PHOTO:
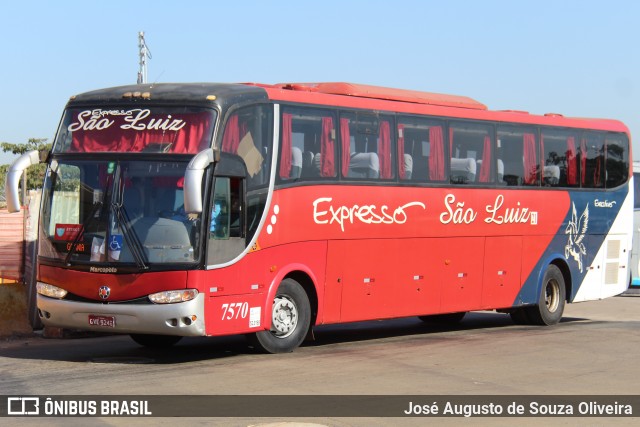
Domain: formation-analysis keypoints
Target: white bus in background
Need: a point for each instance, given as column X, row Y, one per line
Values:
column 635, row 253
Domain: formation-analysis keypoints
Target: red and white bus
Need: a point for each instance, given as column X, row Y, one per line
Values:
column 178, row 210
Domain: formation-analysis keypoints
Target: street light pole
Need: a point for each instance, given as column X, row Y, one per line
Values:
column 144, row 53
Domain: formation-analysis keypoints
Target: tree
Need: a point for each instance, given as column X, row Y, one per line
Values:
column 35, row 174
column 32, row 144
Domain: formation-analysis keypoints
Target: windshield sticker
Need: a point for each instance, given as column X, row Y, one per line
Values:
column 67, row 232
column 115, row 246
column 97, row 249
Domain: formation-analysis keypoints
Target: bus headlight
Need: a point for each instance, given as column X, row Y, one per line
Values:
column 50, row 290
column 170, row 297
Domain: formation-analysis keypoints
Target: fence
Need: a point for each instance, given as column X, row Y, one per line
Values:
column 18, row 245
column 11, row 246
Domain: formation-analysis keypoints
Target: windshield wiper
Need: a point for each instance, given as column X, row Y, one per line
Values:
column 130, row 236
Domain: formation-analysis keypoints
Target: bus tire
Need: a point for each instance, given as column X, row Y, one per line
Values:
column 290, row 320
column 445, row 319
column 551, row 300
column 155, row 341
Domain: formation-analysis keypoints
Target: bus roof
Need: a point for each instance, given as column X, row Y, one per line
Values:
column 170, row 92
column 389, row 94
column 340, row 94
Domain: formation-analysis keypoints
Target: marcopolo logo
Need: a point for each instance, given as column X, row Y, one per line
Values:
column 104, row 292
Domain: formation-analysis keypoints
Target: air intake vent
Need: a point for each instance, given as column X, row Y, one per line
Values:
column 612, row 262
column 613, row 249
column 611, row 271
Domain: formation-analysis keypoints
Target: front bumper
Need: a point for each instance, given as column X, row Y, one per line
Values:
column 161, row 319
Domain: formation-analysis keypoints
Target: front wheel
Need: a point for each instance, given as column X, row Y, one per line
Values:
column 290, row 320
column 551, row 300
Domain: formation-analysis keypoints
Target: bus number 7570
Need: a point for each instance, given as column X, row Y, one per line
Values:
column 235, row 310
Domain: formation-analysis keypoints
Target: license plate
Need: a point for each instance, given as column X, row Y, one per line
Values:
column 106, row 321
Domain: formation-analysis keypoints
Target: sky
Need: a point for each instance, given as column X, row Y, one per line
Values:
column 578, row 58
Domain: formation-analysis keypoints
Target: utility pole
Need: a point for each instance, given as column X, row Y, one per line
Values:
column 144, row 54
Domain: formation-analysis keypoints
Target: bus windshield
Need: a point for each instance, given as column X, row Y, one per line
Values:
column 122, row 212
column 179, row 130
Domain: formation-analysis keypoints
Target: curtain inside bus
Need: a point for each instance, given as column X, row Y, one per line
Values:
column 530, row 159
column 231, row 138
column 384, row 150
column 285, row 160
column 583, row 160
column 485, row 168
column 345, row 135
column 401, row 164
column 327, row 149
column 436, row 153
column 572, row 166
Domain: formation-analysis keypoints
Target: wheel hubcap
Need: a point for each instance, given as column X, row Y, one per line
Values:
column 552, row 295
column 285, row 317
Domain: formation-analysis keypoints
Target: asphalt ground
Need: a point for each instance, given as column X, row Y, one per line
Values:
column 594, row 351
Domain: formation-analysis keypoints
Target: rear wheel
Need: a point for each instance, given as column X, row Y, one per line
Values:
column 449, row 318
column 290, row 320
column 155, row 341
column 551, row 300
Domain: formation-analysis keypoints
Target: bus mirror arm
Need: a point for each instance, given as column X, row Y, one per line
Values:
column 193, row 179
column 44, row 155
column 13, row 178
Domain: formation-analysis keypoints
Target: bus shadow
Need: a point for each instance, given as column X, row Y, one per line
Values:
column 116, row 349
column 381, row 329
column 121, row 349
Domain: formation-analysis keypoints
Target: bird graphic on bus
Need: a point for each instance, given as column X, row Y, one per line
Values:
column 577, row 231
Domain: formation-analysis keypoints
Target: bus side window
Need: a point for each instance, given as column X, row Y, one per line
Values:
column 517, row 154
column 559, row 158
column 421, row 156
column 368, row 146
column 226, row 218
column 472, row 158
column 247, row 134
column 592, row 168
column 617, row 160
column 226, row 227
column 219, row 227
column 307, row 145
